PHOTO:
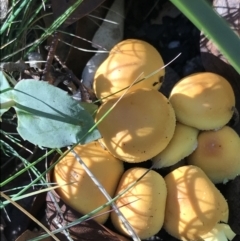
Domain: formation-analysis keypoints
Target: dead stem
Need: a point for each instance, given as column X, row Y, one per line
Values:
column 51, row 52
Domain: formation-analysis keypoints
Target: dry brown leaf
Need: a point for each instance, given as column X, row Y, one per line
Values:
column 86, row 231
column 60, row 6
column 168, row 10
column 84, row 27
column 30, row 234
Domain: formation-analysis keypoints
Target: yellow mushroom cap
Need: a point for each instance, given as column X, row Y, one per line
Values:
column 81, row 193
column 218, row 154
column 143, row 205
column 194, row 205
column 203, row 100
column 183, row 143
column 127, row 61
column 139, row 126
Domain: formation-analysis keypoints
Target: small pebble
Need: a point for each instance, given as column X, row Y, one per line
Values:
column 173, row 44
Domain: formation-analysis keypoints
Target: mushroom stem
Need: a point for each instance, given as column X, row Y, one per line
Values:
column 221, row 232
column 235, row 116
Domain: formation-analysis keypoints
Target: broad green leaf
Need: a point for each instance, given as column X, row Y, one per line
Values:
column 90, row 107
column 49, row 117
column 5, row 96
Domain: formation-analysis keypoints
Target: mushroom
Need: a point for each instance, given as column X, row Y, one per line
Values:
column 221, row 232
column 139, row 127
column 183, row 143
column 128, row 61
column 194, row 205
column 217, row 154
column 144, row 204
column 81, row 193
column 204, row 100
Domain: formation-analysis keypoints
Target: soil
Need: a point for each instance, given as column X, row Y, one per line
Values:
column 171, row 34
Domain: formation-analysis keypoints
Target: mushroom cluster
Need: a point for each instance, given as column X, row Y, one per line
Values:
column 203, row 104
column 141, row 124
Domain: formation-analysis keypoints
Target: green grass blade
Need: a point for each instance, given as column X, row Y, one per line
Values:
column 213, row 26
column 92, row 213
column 27, row 167
column 13, row 16
column 56, row 24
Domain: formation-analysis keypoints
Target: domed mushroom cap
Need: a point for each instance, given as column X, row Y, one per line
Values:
column 128, row 61
column 218, row 154
column 139, row 127
column 203, row 100
column 144, row 204
column 183, row 143
column 81, row 193
column 194, row 205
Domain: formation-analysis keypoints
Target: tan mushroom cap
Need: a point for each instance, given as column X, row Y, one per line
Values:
column 139, row 127
column 218, row 154
column 144, row 204
column 194, row 205
column 203, row 100
column 81, row 193
column 183, row 143
column 129, row 60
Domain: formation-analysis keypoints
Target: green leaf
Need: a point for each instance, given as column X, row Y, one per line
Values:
column 48, row 116
column 205, row 18
column 5, row 96
column 90, row 107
